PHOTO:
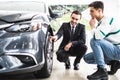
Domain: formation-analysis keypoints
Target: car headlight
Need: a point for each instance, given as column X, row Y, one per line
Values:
column 35, row 26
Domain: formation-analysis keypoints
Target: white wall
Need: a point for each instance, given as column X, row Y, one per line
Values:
column 112, row 8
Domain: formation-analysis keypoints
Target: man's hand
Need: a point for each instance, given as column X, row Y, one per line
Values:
column 53, row 38
column 68, row 46
column 92, row 23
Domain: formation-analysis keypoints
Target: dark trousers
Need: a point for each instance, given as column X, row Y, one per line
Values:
column 75, row 51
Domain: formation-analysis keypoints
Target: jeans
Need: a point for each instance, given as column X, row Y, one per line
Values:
column 103, row 52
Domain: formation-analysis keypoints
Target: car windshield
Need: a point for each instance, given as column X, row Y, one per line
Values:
column 35, row 6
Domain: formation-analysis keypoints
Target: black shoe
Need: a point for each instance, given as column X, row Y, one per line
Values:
column 67, row 64
column 115, row 65
column 100, row 74
column 76, row 66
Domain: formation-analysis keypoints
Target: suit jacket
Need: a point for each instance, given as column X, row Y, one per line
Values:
column 79, row 37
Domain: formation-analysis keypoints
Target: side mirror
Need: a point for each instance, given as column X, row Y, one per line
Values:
column 55, row 14
column 58, row 14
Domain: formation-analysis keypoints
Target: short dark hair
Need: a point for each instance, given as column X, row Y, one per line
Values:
column 77, row 12
column 97, row 4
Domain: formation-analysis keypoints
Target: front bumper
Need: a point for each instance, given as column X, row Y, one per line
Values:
column 21, row 69
column 18, row 64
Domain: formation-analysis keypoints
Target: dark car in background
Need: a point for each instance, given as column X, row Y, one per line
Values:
column 24, row 38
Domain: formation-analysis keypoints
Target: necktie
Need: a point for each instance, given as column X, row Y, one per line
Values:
column 72, row 33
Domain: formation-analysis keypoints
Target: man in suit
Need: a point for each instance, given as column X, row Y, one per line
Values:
column 73, row 43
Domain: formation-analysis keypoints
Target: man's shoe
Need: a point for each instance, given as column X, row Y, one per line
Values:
column 76, row 66
column 100, row 74
column 115, row 65
column 67, row 64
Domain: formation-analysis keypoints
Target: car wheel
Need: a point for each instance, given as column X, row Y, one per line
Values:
column 48, row 52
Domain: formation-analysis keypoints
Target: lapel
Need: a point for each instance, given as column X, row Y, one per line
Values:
column 69, row 28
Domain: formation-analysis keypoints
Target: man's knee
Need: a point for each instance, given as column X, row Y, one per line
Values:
column 89, row 58
column 61, row 56
column 82, row 47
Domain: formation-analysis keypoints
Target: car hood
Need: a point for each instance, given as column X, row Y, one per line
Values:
column 16, row 17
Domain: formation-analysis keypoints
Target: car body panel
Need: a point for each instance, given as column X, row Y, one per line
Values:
column 23, row 36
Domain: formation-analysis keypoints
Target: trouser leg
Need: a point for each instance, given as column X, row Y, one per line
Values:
column 104, row 51
column 80, row 52
column 62, row 55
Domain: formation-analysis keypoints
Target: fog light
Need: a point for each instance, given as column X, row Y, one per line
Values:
column 27, row 60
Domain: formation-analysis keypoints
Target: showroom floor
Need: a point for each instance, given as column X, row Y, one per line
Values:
column 59, row 72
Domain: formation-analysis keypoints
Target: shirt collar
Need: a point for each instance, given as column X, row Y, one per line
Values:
column 72, row 25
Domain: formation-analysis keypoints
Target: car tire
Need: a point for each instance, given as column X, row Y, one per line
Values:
column 48, row 55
